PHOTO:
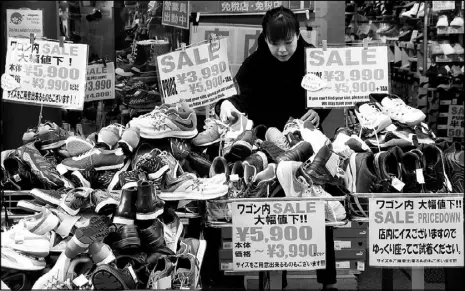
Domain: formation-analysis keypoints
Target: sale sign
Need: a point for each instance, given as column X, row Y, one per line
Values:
column 100, row 82
column 345, row 76
column 197, row 75
column 416, row 232
column 455, row 125
column 48, row 74
column 279, row 235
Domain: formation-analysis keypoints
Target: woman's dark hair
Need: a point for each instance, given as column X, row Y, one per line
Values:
column 280, row 23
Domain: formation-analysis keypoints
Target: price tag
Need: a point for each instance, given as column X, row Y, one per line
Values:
column 397, row 184
column 343, row 265
column 17, row 178
column 47, row 74
column 290, row 239
column 234, row 177
column 348, row 75
column 199, row 75
column 80, row 281
column 227, row 245
column 360, row 266
column 100, row 82
column 420, row 177
column 226, row 266
column 414, row 35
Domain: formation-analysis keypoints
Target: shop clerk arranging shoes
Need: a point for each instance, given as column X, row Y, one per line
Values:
column 270, row 92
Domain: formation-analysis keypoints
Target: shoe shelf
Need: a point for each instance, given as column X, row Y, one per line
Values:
column 449, row 59
column 450, row 30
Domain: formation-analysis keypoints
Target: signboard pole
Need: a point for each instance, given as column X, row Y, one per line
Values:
column 40, row 114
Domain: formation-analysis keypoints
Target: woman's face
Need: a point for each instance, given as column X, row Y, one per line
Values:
column 283, row 49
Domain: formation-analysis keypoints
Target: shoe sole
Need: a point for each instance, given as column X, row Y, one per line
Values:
column 122, row 220
column 29, row 206
column 148, row 216
column 131, row 242
column 207, row 143
column 175, row 134
column 97, row 230
column 105, row 279
column 76, row 146
column 103, row 168
column 106, row 207
column 54, row 145
column 175, row 196
column 114, row 181
column 36, row 193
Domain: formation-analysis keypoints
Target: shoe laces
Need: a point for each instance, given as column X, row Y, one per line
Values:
column 197, row 184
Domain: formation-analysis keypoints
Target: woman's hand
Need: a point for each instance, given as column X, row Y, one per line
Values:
column 312, row 116
column 226, row 110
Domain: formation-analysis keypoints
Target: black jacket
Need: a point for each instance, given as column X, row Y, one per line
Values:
column 270, row 90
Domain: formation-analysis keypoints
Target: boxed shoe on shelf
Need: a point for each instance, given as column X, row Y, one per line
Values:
column 350, row 242
column 350, row 232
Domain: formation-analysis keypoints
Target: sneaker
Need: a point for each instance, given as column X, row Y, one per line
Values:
column 271, row 151
column 160, row 276
column 457, row 22
column 95, row 231
column 172, row 229
column 18, row 173
column 14, row 260
column 52, row 197
column 371, row 117
column 436, row 179
column 144, row 99
column 110, row 277
column 30, row 135
column 76, row 199
column 103, row 179
column 396, row 109
column 455, row 167
column 300, row 152
column 21, row 239
column 196, row 247
column 334, row 210
column 237, row 184
column 187, row 187
column 97, row 159
column 199, row 164
column 129, row 139
column 442, row 21
column 175, row 169
column 412, row 173
column 186, row 274
column 111, row 134
column 129, row 179
column 78, row 179
column 393, row 32
column 448, row 49
column 39, row 166
column 458, row 49
column 237, row 126
column 152, row 237
column 288, row 178
column 146, row 206
column 77, row 146
column 388, row 169
column 53, row 138
column 180, row 149
column 56, row 277
column 264, row 184
column 254, row 164
column 147, row 159
column 175, row 122
column 324, row 169
column 103, row 202
column 126, row 211
column 214, row 128
column 241, row 147
column 125, row 237
column 219, row 166
column 275, row 136
column 30, row 205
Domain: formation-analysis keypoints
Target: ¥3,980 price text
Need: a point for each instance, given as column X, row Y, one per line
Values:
column 276, row 233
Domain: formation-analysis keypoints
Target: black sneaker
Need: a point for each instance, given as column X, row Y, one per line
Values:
column 411, row 171
column 109, row 277
column 180, row 149
column 435, row 172
column 147, row 159
column 144, row 99
column 152, row 237
column 96, row 230
column 259, row 133
column 101, row 179
column 254, row 164
column 103, row 202
column 19, row 174
column 96, row 15
column 241, row 147
column 455, row 166
column 271, row 150
column 388, row 169
column 300, row 152
column 75, row 200
column 324, row 169
column 129, row 179
column 199, row 164
column 124, row 237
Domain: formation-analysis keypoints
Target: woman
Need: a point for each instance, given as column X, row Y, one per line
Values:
column 270, row 92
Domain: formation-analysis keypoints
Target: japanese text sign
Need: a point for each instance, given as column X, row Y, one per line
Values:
column 455, row 126
column 443, row 5
column 281, row 235
column 416, row 232
column 345, row 76
column 198, row 75
column 176, row 13
column 250, row 6
column 100, row 82
column 22, row 22
column 47, row 74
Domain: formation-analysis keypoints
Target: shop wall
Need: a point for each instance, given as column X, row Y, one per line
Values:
column 16, row 118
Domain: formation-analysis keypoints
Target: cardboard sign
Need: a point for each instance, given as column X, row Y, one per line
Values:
column 48, row 74
column 100, row 82
column 198, row 75
column 455, row 125
column 176, row 14
column 350, row 74
column 22, row 22
column 278, row 235
column 416, row 232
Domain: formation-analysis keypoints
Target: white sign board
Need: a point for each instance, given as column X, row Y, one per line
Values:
column 21, row 22
column 198, row 75
column 47, row 74
column 100, row 82
column 455, row 125
column 280, row 235
column 443, row 5
column 416, row 232
column 346, row 76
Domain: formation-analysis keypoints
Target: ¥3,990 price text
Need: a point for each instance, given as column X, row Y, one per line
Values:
column 211, row 77
column 276, row 233
column 293, row 250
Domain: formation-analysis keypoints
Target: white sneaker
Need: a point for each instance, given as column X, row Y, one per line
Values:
column 421, row 10
column 19, row 238
column 286, row 173
column 447, row 49
column 55, row 278
column 396, row 109
column 371, row 116
column 4, row 286
column 313, row 136
column 12, row 259
column 457, row 22
column 334, row 210
column 442, row 21
column 413, row 11
column 458, row 49
column 42, row 222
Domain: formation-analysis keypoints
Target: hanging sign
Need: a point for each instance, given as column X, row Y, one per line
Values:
column 416, row 232
column 199, row 75
column 455, row 125
column 176, row 13
column 279, row 235
column 344, row 76
column 443, row 5
column 47, row 74
column 21, row 22
column 100, row 82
